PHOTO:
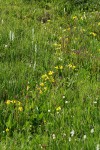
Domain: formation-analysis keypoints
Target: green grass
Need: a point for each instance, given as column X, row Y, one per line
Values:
column 49, row 75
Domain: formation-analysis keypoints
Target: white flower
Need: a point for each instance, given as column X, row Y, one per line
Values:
column 66, row 102
column 63, row 96
column 53, row 136
column 6, row 46
column 64, row 10
column 72, row 133
column 49, row 110
column 60, row 59
column 98, row 147
column 84, row 137
column 92, row 130
column 69, row 139
column 95, row 102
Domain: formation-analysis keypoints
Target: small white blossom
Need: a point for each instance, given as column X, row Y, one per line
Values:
column 69, row 139
column 60, row 59
column 98, row 147
column 53, row 136
column 64, row 10
column 6, row 46
column 63, row 96
column 84, row 137
column 95, row 102
column 49, row 110
column 72, row 133
column 66, row 102
column 92, row 130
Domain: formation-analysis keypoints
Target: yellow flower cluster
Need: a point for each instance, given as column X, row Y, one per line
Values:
column 92, row 33
column 42, row 88
column 16, row 102
column 13, row 102
column 58, row 108
column 20, row 108
column 50, row 73
column 57, row 46
column 74, row 17
column 46, row 77
column 59, row 67
column 42, row 84
column 71, row 66
column 7, row 129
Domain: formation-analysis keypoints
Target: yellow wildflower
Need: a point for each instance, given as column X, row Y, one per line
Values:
column 52, row 80
column 70, row 65
column 73, row 67
column 50, row 72
column 55, row 44
column 58, row 108
column 98, row 23
column 92, row 33
column 7, row 130
column 20, row 108
column 42, row 84
column 48, row 20
column 56, row 67
column 13, row 101
column 64, row 30
column 19, row 103
column 45, row 76
column 74, row 17
column 60, row 67
column 8, row 102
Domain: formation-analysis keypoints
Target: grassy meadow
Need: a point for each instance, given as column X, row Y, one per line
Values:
column 49, row 75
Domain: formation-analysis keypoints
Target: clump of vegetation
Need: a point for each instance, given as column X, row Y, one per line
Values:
column 49, row 74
